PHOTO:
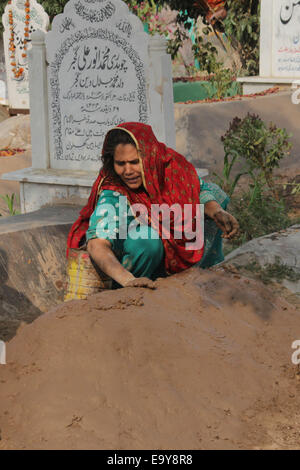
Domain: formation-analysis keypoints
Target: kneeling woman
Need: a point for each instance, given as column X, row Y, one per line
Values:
column 137, row 169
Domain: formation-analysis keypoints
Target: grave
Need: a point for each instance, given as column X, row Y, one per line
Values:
column 20, row 19
column 95, row 69
column 279, row 62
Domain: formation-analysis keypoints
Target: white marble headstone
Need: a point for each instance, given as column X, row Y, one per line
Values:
column 3, row 86
column 286, row 38
column 280, row 39
column 18, row 88
column 97, row 78
column 2, row 91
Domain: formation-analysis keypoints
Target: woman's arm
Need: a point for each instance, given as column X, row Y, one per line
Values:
column 100, row 251
column 215, row 202
column 100, row 242
column 225, row 221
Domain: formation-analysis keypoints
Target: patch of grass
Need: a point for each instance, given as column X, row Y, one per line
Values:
column 10, row 201
column 273, row 271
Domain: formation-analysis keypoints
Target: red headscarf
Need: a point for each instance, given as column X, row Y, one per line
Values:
column 215, row 4
column 168, row 179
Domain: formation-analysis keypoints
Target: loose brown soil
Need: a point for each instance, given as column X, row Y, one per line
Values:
column 202, row 362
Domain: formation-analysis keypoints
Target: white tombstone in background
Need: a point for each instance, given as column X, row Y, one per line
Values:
column 103, row 69
column 279, row 62
column 18, row 87
column 3, row 87
column 3, row 95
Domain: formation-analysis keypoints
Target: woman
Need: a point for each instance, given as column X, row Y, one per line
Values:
column 137, row 169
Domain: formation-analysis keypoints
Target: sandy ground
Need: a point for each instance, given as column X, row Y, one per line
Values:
column 202, row 362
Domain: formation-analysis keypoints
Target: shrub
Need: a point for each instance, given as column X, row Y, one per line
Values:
column 259, row 148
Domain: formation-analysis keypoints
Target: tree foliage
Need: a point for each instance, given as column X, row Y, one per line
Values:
column 241, row 25
column 53, row 7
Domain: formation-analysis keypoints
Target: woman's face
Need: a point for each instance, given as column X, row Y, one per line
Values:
column 127, row 165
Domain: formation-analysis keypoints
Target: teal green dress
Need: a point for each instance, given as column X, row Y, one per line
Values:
column 139, row 248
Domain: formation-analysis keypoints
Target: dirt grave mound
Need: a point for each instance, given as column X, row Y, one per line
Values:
column 202, row 362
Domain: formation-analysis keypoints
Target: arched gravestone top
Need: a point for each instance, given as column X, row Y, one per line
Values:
column 97, row 78
column 18, row 88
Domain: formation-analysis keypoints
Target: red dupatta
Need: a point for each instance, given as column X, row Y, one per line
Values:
column 168, row 178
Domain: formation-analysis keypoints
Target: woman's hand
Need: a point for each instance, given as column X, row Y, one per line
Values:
column 141, row 282
column 100, row 251
column 102, row 254
column 227, row 223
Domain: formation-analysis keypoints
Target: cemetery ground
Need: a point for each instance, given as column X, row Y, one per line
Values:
column 202, row 362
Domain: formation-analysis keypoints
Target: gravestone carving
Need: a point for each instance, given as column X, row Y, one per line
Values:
column 97, row 79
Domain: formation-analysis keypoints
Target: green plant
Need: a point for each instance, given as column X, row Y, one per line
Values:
column 147, row 11
column 258, row 147
column 220, row 83
column 242, row 27
column 10, row 201
column 53, row 7
column 206, row 53
column 177, row 41
column 228, row 182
